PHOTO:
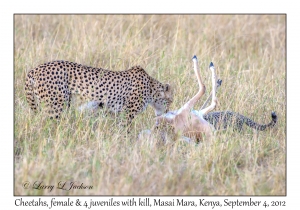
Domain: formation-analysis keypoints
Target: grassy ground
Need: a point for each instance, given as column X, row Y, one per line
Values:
column 249, row 54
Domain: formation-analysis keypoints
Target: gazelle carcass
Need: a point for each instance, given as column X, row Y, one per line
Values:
column 187, row 122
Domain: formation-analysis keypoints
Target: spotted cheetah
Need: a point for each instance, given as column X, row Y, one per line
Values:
column 224, row 119
column 129, row 91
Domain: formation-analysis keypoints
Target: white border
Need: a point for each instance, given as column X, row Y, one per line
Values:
column 213, row 6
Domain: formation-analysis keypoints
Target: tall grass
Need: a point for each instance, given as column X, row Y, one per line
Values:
column 249, row 54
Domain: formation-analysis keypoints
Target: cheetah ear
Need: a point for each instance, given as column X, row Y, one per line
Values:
column 167, row 87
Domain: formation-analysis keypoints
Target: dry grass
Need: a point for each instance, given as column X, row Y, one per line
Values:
column 249, row 54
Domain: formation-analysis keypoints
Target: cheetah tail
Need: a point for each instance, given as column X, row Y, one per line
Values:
column 29, row 91
column 259, row 127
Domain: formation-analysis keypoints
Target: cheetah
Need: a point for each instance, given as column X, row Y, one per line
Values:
column 129, row 91
column 224, row 119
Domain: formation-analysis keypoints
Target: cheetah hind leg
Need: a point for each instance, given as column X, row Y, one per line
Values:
column 55, row 110
column 56, row 107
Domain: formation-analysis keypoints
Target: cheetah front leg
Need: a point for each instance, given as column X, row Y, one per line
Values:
column 132, row 107
column 124, row 120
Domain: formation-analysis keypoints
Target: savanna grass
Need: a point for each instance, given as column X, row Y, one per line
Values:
column 249, row 54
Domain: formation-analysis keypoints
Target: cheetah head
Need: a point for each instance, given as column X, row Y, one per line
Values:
column 162, row 99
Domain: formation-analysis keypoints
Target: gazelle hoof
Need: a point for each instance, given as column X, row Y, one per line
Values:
column 219, row 82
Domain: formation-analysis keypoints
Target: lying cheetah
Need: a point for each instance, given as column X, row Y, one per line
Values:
column 129, row 91
column 224, row 119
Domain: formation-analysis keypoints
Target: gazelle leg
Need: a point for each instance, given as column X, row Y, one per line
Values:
column 219, row 82
column 214, row 98
column 190, row 104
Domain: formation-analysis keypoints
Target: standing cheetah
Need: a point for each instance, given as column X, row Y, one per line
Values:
column 129, row 91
